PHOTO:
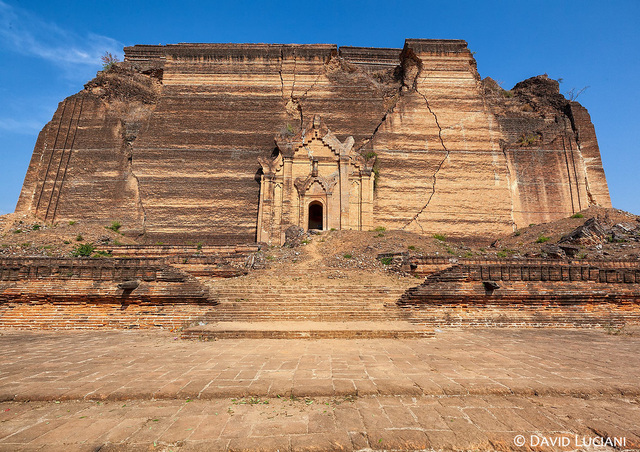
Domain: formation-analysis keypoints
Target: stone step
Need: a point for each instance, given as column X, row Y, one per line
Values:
column 255, row 301
column 250, row 291
column 307, row 330
column 267, row 314
column 257, row 297
column 297, row 302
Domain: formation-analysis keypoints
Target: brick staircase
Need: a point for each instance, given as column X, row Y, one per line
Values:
column 302, row 307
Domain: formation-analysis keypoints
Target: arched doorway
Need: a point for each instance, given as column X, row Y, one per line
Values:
column 315, row 215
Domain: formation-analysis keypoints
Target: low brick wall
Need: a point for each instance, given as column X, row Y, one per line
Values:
column 88, row 293
column 534, row 294
column 427, row 265
column 178, row 250
column 223, row 261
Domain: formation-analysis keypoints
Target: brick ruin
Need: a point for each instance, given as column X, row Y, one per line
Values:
column 175, row 291
column 232, row 145
column 177, row 143
column 528, row 294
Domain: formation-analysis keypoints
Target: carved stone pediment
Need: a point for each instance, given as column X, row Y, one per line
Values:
column 327, row 183
column 289, row 145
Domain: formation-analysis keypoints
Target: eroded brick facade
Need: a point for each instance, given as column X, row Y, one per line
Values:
column 168, row 143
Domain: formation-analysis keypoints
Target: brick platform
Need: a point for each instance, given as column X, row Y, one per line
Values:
column 462, row 390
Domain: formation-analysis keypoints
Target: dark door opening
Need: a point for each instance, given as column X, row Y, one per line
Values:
column 315, row 215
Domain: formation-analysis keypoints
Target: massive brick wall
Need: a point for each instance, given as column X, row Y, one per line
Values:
column 168, row 143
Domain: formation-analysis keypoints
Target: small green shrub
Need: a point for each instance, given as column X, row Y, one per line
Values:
column 517, row 233
column 17, row 231
column 199, row 246
column 347, row 256
column 411, row 247
column 66, row 242
column 380, row 235
column 577, row 215
column 72, row 222
column 79, row 238
column 305, row 242
column 441, row 237
column 542, row 239
column 380, row 229
column 332, row 229
column 581, row 255
column 528, row 139
column 505, row 252
column 36, row 227
column 115, row 226
column 102, row 254
column 108, row 60
column 269, row 257
column 84, row 250
column 290, row 129
column 386, row 260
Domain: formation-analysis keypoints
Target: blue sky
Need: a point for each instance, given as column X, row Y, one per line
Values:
column 49, row 49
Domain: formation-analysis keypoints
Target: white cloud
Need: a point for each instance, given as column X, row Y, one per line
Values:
column 21, row 126
column 26, row 33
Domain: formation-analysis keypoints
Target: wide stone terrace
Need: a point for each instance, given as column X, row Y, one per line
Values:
column 463, row 389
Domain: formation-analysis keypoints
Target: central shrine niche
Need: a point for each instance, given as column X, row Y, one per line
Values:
column 314, row 182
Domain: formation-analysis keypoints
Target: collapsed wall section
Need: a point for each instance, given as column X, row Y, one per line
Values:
column 548, row 152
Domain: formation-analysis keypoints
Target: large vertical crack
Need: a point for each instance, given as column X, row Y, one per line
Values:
column 291, row 104
column 295, row 65
column 139, row 199
column 510, row 178
column 579, row 149
column 303, row 97
column 313, row 85
column 438, row 168
column 280, row 73
column 375, row 131
column 130, row 133
column 382, row 121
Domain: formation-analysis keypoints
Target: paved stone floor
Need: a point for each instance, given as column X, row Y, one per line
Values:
column 462, row 390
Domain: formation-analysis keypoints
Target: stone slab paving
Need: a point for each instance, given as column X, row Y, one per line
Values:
column 462, row 390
